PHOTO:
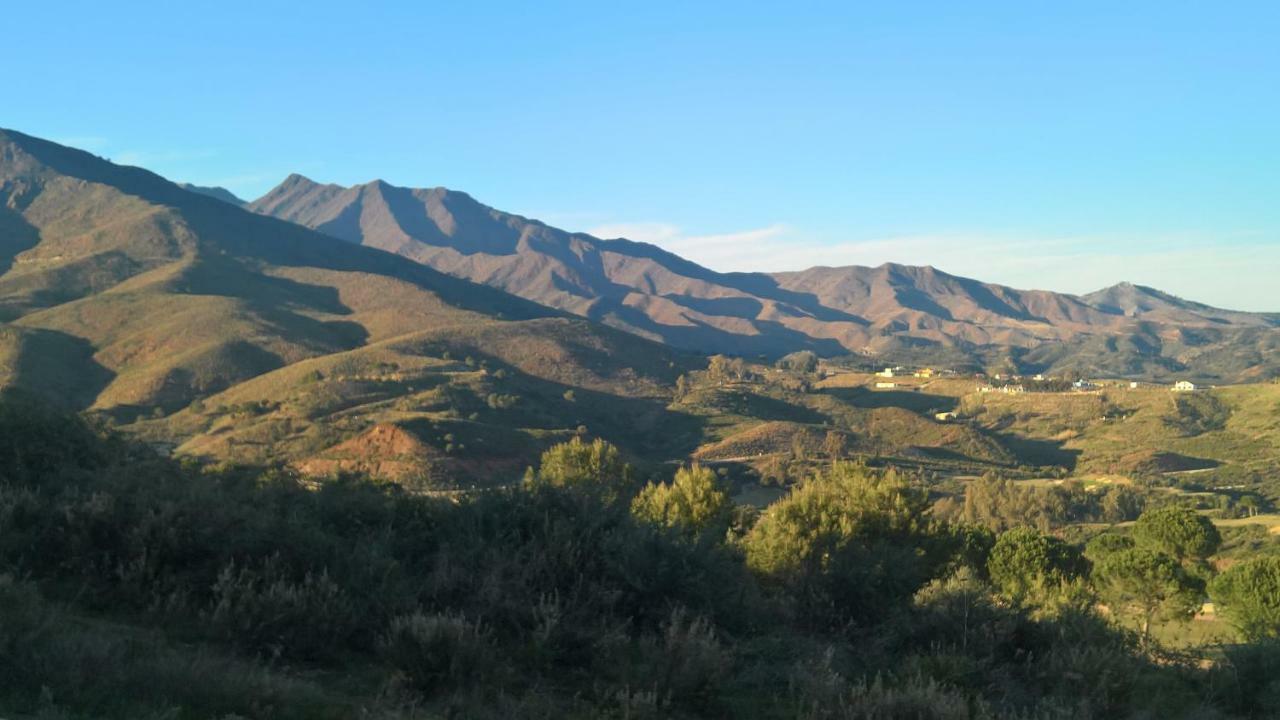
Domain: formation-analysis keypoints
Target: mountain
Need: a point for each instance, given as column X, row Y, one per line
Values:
column 889, row 311
column 236, row 335
column 219, row 193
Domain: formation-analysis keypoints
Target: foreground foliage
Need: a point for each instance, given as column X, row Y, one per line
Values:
column 133, row 586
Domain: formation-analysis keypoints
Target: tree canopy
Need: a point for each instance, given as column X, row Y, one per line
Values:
column 596, row 468
column 1177, row 531
column 851, row 542
column 693, row 501
column 1027, row 565
column 1149, row 583
column 1248, row 593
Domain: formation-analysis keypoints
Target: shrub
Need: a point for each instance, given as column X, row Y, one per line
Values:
column 685, row 664
column 438, row 651
column 264, row 609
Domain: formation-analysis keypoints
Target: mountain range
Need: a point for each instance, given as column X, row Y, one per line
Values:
column 400, row 331
column 890, row 311
column 119, row 288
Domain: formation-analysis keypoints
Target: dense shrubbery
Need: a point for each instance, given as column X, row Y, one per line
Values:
column 573, row 596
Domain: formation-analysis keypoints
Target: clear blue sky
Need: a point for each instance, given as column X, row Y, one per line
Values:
column 1057, row 145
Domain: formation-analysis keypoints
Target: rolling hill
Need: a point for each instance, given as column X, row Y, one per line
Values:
column 892, row 310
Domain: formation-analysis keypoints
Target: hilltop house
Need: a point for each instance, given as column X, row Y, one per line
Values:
column 1184, row 386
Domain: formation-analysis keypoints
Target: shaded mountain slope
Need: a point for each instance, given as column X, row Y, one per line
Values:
column 218, row 193
column 125, row 293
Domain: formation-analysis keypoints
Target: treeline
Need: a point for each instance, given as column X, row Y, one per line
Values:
column 136, row 586
column 1001, row 503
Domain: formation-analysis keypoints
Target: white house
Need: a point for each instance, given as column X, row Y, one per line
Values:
column 886, row 385
column 1184, row 386
column 887, row 372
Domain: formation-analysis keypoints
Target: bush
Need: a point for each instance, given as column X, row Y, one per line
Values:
column 849, row 545
column 438, row 651
column 1252, row 674
column 681, row 666
column 264, row 609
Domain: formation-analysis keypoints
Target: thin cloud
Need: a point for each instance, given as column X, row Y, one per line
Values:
column 1195, row 266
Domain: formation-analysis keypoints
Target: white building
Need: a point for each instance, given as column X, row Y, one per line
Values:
column 1184, row 386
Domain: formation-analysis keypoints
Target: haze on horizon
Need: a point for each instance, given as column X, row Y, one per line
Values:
column 1056, row 148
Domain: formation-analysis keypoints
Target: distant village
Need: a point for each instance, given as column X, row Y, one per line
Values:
column 1018, row 384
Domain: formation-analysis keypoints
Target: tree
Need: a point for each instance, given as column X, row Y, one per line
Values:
column 1028, row 566
column 1105, row 545
column 596, row 468
column 1177, row 531
column 1150, row 583
column 801, row 361
column 849, row 544
column 694, row 501
column 1248, row 593
column 973, row 546
column 833, row 445
column 1121, row 503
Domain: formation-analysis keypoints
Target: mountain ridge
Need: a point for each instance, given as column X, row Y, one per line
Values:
column 647, row 290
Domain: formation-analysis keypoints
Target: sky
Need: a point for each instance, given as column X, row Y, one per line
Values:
column 1064, row 146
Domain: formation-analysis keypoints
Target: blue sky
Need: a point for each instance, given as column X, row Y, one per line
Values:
column 1057, row 145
